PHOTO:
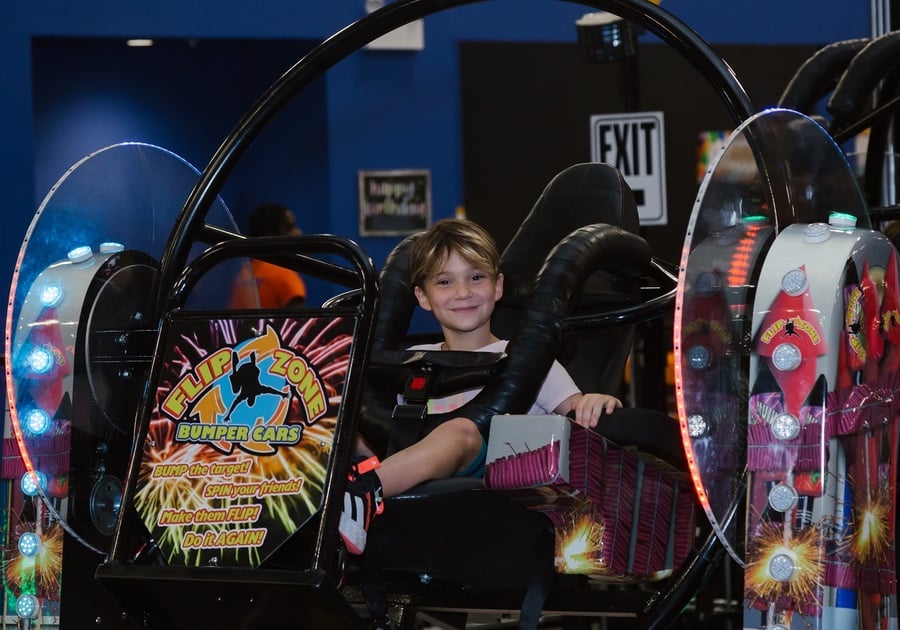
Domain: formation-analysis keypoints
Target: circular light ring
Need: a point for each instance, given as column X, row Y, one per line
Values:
column 33, row 483
column 80, row 254
column 755, row 220
column 40, row 360
column 786, row 357
column 27, row 606
column 37, row 421
column 51, row 294
column 697, row 425
column 29, row 543
column 111, row 247
column 782, row 497
column 816, row 233
column 842, row 219
column 781, row 567
column 794, row 282
column 785, row 426
column 699, row 357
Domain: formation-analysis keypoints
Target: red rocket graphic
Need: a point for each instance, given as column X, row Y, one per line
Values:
column 791, row 340
column 871, row 322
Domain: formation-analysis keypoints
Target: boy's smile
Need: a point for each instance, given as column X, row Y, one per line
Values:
column 462, row 299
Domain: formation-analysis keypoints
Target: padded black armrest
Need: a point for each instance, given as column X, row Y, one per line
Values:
column 449, row 371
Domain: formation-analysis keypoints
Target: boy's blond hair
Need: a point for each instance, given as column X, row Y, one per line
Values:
column 432, row 247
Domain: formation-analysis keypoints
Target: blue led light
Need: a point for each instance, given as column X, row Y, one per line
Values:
column 27, row 606
column 40, row 360
column 111, row 247
column 29, row 543
column 37, row 421
column 33, row 482
column 51, row 295
column 80, row 254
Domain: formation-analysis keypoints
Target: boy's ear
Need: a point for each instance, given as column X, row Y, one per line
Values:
column 422, row 298
column 498, row 287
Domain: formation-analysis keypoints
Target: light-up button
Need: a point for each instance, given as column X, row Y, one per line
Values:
column 785, row 426
column 37, row 421
column 755, row 221
column 33, row 482
column 842, row 220
column 696, row 425
column 794, row 282
column 80, row 254
column 51, row 295
column 816, row 233
column 786, row 357
column 781, row 567
column 782, row 497
column 110, row 247
column 28, row 544
column 40, row 360
column 27, row 606
column 699, row 357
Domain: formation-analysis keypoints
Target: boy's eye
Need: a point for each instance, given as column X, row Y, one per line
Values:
column 478, row 277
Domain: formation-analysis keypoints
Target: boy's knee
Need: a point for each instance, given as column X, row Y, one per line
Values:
column 464, row 432
column 469, row 432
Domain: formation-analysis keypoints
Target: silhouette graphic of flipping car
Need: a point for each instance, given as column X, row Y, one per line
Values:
column 245, row 383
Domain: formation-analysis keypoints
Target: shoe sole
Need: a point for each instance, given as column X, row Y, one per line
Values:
column 354, row 536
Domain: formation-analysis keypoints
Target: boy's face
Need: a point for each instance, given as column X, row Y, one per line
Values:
column 461, row 297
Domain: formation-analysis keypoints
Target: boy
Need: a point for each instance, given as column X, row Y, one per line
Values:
column 455, row 269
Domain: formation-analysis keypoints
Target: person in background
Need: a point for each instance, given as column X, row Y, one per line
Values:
column 276, row 286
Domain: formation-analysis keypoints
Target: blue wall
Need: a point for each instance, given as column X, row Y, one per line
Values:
column 382, row 109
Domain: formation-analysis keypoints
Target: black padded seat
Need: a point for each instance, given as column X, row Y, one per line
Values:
column 454, row 531
column 582, row 194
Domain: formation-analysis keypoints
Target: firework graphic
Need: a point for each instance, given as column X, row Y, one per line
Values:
column 780, row 566
column 579, row 543
column 871, row 539
column 38, row 572
column 235, row 457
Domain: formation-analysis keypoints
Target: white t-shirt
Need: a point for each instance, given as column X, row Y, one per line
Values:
column 557, row 386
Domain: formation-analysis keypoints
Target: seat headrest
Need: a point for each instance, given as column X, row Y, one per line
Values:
column 582, row 194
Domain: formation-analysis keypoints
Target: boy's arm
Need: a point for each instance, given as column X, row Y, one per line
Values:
column 586, row 409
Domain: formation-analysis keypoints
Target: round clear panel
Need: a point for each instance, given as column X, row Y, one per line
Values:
column 79, row 336
column 779, row 167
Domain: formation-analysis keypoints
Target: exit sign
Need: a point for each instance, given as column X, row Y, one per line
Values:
column 635, row 145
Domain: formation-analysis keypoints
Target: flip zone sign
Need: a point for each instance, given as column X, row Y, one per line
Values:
column 635, row 145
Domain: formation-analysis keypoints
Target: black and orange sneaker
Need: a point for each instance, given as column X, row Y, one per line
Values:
column 362, row 502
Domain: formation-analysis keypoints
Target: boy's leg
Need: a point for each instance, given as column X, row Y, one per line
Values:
column 452, row 446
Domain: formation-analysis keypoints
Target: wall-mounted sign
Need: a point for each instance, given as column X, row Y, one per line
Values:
column 393, row 203
column 635, row 145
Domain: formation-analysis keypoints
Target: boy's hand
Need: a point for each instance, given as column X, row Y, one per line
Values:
column 586, row 409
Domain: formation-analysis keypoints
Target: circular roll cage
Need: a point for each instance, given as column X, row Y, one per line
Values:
column 358, row 34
